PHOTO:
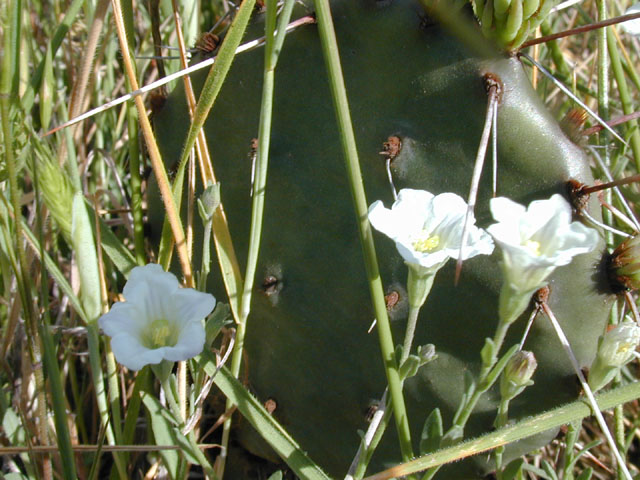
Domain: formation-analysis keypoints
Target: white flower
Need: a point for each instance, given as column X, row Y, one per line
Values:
column 158, row 321
column 616, row 348
column 632, row 27
column 427, row 229
column 619, row 344
column 536, row 240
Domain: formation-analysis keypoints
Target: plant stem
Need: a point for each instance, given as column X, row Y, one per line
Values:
column 347, row 137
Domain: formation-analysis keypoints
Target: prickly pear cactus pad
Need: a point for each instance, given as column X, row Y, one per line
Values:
column 308, row 349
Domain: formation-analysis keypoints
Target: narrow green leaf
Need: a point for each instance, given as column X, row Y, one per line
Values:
column 47, row 87
column 262, row 421
column 85, row 249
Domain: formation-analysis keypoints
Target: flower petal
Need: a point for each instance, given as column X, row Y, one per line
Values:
column 190, row 343
column 190, row 304
column 151, row 288
column 132, row 354
column 121, row 318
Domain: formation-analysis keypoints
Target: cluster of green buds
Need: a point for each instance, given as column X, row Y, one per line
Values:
column 623, row 266
column 509, row 22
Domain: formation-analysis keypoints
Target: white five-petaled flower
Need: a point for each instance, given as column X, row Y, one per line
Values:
column 537, row 239
column 158, row 321
column 427, row 229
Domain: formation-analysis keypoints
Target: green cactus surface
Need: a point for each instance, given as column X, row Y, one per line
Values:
column 307, row 346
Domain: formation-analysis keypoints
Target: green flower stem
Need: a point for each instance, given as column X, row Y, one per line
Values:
column 258, row 198
column 347, row 137
column 501, row 421
column 412, row 320
column 484, row 384
column 511, row 305
column 419, row 285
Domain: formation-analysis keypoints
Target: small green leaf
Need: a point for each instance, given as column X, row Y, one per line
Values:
column 487, row 353
column 276, row 476
column 431, row 432
column 410, row 367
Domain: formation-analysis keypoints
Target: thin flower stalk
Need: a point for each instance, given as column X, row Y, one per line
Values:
column 347, row 137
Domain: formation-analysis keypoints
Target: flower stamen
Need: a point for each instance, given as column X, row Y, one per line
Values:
column 533, row 247
column 427, row 243
column 161, row 333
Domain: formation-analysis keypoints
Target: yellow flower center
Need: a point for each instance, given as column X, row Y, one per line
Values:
column 624, row 347
column 533, row 247
column 160, row 333
column 426, row 244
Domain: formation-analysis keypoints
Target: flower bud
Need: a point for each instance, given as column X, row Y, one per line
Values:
column 517, row 374
column 209, row 201
column 623, row 265
column 615, row 349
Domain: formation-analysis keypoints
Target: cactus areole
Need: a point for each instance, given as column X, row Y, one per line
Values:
column 419, row 96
